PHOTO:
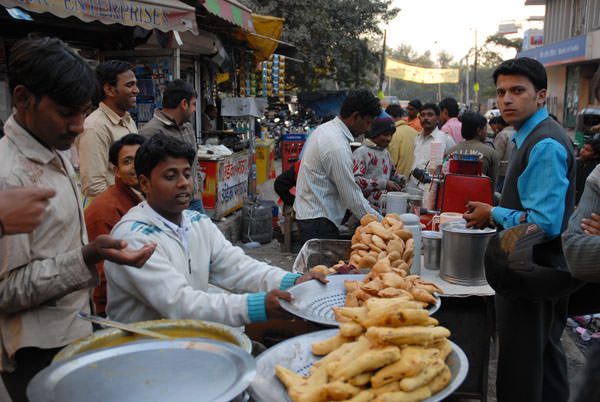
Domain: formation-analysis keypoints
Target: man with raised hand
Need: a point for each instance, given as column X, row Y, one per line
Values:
column 191, row 254
column 46, row 276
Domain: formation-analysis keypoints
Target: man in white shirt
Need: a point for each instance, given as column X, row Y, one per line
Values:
column 326, row 186
column 429, row 115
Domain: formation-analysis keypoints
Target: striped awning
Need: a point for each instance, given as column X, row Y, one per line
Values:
column 231, row 11
column 165, row 15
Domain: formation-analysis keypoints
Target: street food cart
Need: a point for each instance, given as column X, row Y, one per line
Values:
column 224, row 362
column 467, row 311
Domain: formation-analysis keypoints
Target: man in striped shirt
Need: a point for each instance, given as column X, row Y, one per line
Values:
column 326, row 186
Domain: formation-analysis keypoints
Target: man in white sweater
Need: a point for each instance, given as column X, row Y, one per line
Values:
column 191, row 253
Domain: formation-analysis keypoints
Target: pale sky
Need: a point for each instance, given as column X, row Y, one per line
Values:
column 423, row 22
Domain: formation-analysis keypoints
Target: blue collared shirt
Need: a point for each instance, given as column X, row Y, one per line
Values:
column 542, row 185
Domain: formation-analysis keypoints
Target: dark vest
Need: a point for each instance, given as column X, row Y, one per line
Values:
column 548, row 128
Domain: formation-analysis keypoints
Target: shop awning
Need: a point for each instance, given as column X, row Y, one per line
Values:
column 231, row 11
column 266, row 38
column 165, row 15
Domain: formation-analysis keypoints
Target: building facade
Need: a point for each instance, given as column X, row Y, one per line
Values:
column 571, row 55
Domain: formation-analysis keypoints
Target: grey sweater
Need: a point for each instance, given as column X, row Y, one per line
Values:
column 583, row 250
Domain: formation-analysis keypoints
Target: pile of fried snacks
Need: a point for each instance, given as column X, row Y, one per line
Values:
column 375, row 240
column 387, row 249
column 386, row 282
column 387, row 350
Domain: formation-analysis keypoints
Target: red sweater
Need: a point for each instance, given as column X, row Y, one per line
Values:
column 100, row 217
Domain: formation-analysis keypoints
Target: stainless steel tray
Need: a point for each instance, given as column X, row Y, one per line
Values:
column 296, row 355
column 149, row 370
column 313, row 300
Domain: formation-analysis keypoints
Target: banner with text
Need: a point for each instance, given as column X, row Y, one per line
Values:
column 166, row 15
column 407, row 72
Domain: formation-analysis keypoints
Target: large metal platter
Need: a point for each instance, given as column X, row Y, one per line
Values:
column 313, row 299
column 296, row 355
column 149, row 371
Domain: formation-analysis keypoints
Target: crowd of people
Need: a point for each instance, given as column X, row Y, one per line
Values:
column 150, row 253
column 143, row 249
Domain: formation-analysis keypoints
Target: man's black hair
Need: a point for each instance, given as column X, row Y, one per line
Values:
column 527, row 67
column 500, row 120
column 492, row 120
column 395, row 110
column 157, row 149
column 362, row 101
column 107, row 72
column 416, row 104
column 175, row 92
column 432, row 106
column 595, row 144
column 471, row 121
column 115, row 148
column 48, row 67
column 451, row 105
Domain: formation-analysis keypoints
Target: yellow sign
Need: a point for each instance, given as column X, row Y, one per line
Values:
column 406, row 72
column 476, row 87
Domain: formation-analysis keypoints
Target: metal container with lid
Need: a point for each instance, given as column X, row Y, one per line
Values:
column 432, row 247
column 463, row 250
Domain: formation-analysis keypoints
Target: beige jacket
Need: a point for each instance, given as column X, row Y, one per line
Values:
column 44, row 281
column 101, row 129
column 402, row 147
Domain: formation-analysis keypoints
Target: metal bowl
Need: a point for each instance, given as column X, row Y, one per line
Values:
column 111, row 337
column 313, row 300
column 296, row 354
column 149, row 371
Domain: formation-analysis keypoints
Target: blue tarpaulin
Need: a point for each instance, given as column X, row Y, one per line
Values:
column 323, row 103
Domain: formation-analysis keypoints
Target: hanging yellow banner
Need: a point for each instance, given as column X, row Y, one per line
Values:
column 406, row 72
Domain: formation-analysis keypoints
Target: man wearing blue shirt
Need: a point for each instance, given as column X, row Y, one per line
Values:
column 539, row 188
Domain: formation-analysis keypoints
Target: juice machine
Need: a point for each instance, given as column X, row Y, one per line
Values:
column 447, row 189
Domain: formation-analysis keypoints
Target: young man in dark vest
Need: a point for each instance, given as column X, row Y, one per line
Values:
column 539, row 188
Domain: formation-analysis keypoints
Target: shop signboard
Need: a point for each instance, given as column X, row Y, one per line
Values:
column 165, row 15
column 565, row 52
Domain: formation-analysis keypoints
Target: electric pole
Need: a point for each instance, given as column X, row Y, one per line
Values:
column 382, row 72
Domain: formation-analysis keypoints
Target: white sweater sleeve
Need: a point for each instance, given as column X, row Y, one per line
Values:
column 157, row 290
column 232, row 269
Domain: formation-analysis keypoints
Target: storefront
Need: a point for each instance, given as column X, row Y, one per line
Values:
column 94, row 29
column 571, row 66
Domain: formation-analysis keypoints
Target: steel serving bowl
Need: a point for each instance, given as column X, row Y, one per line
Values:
column 111, row 337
